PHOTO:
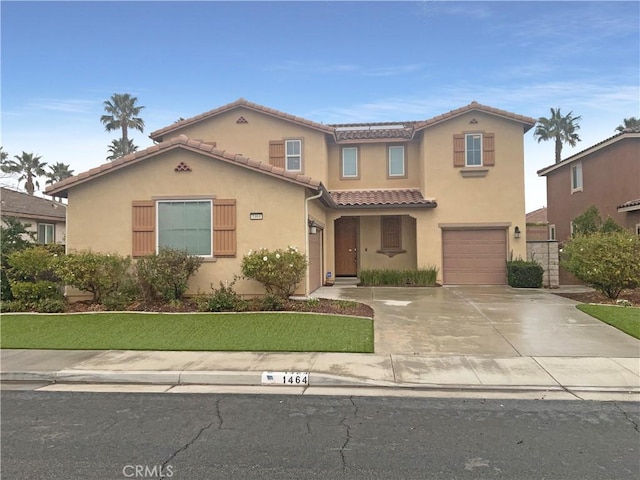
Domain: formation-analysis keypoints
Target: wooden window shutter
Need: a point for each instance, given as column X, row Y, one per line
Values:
column 391, row 232
column 224, row 228
column 458, row 150
column 276, row 153
column 488, row 150
column 143, row 228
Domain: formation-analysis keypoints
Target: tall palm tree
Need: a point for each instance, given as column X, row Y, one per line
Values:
column 58, row 172
column 29, row 167
column 632, row 122
column 560, row 128
column 117, row 149
column 122, row 114
column 3, row 155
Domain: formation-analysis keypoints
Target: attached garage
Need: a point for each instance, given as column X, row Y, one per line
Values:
column 474, row 256
column 315, row 260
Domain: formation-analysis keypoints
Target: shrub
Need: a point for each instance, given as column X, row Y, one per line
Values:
column 272, row 303
column 524, row 274
column 12, row 239
column 98, row 273
column 607, row 261
column 33, row 264
column 123, row 296
column 33, row 292
column 422, row 277
column 225, row 299
column 166, row 275
column 279, row 271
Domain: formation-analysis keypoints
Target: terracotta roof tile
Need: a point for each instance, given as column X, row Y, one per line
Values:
column 19, row 204
column 380, row 198
column 630, row 203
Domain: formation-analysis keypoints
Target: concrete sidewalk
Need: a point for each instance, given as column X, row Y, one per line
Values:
column 381, row 374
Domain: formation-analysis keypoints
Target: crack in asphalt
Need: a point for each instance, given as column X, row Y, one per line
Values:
column 194, row 439
column 348, row 439
column 636, row 427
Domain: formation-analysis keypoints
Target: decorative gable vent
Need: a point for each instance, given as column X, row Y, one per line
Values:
column 182, row 167
column 242, row 120
column 473, row 121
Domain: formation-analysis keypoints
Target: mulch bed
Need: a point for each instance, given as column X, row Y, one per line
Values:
column 632, row 296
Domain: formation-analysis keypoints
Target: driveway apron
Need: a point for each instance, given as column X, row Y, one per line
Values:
column 495, row 321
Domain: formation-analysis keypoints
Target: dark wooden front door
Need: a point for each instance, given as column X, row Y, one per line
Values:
column 346, row 246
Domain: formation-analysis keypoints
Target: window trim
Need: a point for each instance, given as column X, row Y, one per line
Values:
column 577, row 167
column 572, row 228
column 209, row 200
column 342, row 174
column 287, row 156
column 53, row 233
column 404, row 161
column 466, row 149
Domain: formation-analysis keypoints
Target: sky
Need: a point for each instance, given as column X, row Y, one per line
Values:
column 330, row 62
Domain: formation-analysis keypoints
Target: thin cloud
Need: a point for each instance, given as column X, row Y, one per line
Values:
column 317, row 68
column 64, row 106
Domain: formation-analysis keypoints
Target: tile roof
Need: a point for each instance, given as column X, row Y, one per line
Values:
column 18, row 204
column 241, row 102
column 537, row 216
column 182, row 141
column 630, row 203
column 381, row 198
column 374, row 131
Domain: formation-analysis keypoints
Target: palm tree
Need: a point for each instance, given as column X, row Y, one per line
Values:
column 632, row 122
column 58, row 172
column 3, row 155
column 29, row 167
column 558, row 128
column 117, row 149
column 122, row 114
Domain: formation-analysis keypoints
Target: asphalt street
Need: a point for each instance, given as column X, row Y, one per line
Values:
column 59, row 435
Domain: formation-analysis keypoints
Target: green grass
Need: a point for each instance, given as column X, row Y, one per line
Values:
column 276, row 332
column 626, row 319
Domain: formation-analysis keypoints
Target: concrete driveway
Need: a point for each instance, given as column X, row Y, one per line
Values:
column 495, row 321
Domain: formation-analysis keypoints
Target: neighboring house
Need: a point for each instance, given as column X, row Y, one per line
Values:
column 45, row 218
column 606, row 175
column 538, row 226
column 446, row 192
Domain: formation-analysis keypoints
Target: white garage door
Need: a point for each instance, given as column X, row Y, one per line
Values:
column 474, row 257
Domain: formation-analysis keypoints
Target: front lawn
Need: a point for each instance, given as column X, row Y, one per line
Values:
column 626, row 319
column 275, row 332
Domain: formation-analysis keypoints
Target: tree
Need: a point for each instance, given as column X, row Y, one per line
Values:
column 14, row 236
column 29, row 167
column 560, row 128
column 590, row 222
column 3, row 155
column 632, row 122
column 58, row 172
column 122, row 114
column 117, row 149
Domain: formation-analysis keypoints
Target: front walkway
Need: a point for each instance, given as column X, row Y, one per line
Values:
column 494, row 321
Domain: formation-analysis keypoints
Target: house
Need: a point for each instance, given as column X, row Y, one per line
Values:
column 537, row 225
column 606, row 175
column 44, row 217
column 446, row 192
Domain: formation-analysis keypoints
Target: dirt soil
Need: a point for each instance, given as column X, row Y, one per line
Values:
column 632, row 296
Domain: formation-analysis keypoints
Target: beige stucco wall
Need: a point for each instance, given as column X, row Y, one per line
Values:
column 99, row 212
column 251, row 139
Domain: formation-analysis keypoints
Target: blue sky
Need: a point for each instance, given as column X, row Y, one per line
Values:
column 331, row 62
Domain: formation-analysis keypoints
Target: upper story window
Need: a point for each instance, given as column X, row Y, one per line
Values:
column 473, row 143
column 350, row 162
column 552, row 232
column 397, row 166
column 46, row 233
column 185, row 225
column 576, row 177
column 293, row 151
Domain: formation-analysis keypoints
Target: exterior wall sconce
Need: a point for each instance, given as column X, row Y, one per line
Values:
column 313, row 228
column 516, row 232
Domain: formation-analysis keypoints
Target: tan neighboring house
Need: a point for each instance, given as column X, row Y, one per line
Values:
column 46, row 218
column 446, row 192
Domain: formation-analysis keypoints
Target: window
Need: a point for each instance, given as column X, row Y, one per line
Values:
column 349, row 162
column 576, row 178
column 473, row 157
column 391, row 233
column 46, row 233
column 293, row 149
column 396, row 161
column 552, row 232
column 185, row 225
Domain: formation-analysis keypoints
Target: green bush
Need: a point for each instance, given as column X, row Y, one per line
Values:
column 123, row 296
column 98, row 273
column 279, row 271
column 608, row 261
column 13, row 238
column 45, row 305
column 33, row 292
column 271, row 303
column 524, row 274
column 225, row 299
column 166, row 275
column 32, row 264
column 422, row 277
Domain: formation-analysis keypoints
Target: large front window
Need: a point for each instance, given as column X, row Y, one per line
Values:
column 473, row 150
column 293, row 149
column 185, row 225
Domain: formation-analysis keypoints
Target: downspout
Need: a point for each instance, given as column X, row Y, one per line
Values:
column 306, row 239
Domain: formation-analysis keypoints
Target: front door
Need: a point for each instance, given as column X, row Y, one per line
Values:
column 346, row 246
